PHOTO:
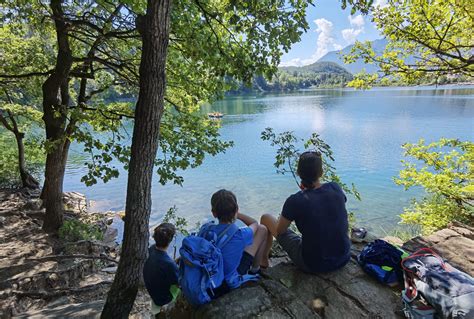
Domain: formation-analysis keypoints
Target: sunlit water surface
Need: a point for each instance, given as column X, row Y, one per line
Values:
column 364, row 128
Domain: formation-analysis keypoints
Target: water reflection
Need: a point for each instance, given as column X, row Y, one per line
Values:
column 365, row 129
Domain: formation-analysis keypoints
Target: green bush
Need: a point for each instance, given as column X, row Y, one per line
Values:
column 445, row 170
column 75, row 230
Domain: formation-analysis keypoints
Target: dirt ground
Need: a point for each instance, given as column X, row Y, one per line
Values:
column 39, row 271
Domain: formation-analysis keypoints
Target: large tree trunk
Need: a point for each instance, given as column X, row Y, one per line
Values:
column 55, row 104
column 27, row 180
column 9, row 122
column 154, row 31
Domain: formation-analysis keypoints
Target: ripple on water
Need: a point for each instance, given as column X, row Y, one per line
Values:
column 365, row 130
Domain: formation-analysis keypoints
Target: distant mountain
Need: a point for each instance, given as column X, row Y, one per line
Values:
column 318, row 74
column 359, row 65
column 292, row 78
column 317, row 67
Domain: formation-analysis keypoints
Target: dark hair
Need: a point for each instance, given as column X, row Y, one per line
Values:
column 310, row 168
column 163, row 234
column 224, row 205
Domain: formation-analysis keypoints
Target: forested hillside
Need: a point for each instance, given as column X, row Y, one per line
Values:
column 319, row 74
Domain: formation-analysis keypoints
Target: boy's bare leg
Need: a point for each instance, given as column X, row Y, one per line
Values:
column 257, row 261
column 256, row 249
column 271, row 223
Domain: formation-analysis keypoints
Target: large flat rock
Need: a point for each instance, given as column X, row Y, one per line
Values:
column 455, row 244
column 265, row 299
column 346, row 293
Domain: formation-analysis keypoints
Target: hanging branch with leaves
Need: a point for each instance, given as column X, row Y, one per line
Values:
column 288, row 153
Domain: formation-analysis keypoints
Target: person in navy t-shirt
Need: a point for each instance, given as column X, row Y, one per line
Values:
column 160, row 271
column 244, row 252
column 319, row 212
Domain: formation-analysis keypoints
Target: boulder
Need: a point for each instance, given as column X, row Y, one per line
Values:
column 346, row 293
column 454, row 243
column 265, row 299
column 287, row 292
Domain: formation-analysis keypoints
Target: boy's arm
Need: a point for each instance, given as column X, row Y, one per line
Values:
column 282, row 225
column 249, row 221
column 173, row 274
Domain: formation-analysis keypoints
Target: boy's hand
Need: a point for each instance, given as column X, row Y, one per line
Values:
column 247, row 220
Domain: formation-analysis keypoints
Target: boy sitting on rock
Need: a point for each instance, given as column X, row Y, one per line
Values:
column 160, row 272
column 244, row 251
column 319, row 213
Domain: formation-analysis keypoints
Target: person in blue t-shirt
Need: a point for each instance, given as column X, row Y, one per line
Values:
column 319, row 212
column 160, row 272
column 244, row 252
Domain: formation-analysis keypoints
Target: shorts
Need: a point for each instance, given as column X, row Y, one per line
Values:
column 292, row 244
column 245, row 264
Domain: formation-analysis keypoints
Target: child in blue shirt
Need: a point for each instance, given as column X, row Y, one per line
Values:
column 244, row 252
column 160, row 272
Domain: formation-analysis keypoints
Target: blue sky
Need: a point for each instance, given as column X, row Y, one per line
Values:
column 331, row 28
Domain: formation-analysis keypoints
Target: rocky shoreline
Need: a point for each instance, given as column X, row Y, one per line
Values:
column 39, row 271
column 44, row 276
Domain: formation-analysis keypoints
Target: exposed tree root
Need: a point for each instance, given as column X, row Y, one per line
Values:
column 41, row 294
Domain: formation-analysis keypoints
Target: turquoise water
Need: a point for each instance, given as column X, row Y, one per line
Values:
column 364, row 128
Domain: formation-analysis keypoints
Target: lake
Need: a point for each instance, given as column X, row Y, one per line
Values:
column 364, row 128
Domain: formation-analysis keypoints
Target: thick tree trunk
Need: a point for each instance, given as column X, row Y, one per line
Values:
column 27, row 180
column 154, row 30
column 55, row 104
column 9, row 122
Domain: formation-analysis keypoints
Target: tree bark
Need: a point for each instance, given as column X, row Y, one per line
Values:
column 27, row 180
column 154, row 30
column 55, row 104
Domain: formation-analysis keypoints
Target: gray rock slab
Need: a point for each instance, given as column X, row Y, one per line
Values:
column 347, row 293
column 455, row 244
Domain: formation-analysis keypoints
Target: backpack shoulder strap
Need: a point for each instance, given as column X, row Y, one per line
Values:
column 205, row 228
column 237, row 280
column 226, row 235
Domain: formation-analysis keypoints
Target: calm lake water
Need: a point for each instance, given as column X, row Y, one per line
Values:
column 364, row 128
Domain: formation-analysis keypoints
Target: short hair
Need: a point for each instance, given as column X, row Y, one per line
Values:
column 163, row 234
column 310, row 168
column 224, row 205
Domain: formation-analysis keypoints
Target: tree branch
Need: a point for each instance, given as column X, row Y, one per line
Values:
column 25, row 75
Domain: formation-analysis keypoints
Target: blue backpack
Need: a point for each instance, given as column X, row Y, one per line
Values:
column 382, row 261
column 201, row 268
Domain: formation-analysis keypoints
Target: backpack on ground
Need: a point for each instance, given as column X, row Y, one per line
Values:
column 201, row 268
column 448, row 290
column 381, row 260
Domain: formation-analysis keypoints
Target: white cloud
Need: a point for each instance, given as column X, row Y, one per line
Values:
column 380, row 3
column 324, row 43
column 357, row 23
column 350, row 35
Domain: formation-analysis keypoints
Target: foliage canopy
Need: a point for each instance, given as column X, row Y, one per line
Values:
column 427, row 39
column 445, row 170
